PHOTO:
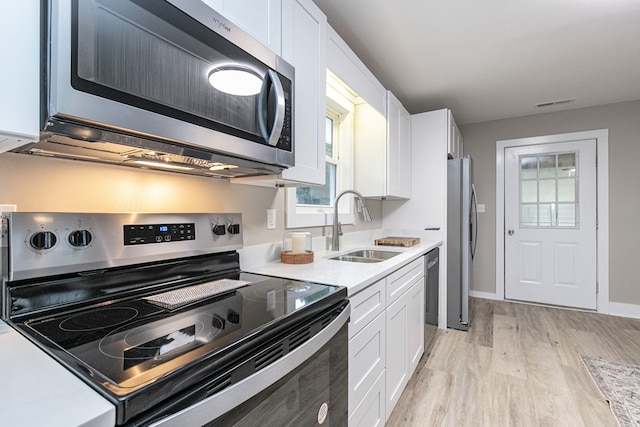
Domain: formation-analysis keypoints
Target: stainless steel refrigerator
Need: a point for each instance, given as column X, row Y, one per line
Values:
column 462, row 233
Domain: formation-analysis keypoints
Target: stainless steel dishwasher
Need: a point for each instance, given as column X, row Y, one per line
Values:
column 432, row 281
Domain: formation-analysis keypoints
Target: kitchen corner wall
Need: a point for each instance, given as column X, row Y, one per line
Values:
column 623, row 122
column 57, row 185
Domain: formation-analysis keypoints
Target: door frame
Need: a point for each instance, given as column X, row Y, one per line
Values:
column 602, row 206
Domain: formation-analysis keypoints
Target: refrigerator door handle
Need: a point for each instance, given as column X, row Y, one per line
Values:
column 474, row 202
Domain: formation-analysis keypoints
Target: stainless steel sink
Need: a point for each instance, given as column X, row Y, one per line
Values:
column 366, row 255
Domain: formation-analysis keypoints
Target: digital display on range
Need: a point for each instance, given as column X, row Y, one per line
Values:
column 141, row 234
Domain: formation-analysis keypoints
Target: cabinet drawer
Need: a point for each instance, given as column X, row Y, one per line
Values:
column 401, row 280
column 366, row 305
column 371, row 410
column 366, row 359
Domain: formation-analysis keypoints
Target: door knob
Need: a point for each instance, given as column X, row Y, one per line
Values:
column 510, row 232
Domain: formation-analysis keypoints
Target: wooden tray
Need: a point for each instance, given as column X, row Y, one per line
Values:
column 290, row 258
column 398, row 241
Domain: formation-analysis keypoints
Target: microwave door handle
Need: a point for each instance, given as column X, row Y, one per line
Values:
column 271, row 136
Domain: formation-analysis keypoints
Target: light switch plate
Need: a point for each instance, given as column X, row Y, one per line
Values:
column 8, row 208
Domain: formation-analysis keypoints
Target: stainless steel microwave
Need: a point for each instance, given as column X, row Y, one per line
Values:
column 163, row 84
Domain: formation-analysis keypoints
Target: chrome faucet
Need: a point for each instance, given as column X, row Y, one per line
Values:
column 337, row 228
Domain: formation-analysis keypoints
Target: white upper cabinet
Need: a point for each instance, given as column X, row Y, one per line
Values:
column 382, row 127
column 454, row 141
column 303, row 45
column 260, row 18
column 431, row 142
column 19, row 75
column 383, row 152
column 344, row 63
column 398, row 149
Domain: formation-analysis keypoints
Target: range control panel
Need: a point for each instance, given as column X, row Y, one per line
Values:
column 41, row 244
column 158, row 233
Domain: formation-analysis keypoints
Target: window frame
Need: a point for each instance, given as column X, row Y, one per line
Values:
column 340, row 105
column 554, row 204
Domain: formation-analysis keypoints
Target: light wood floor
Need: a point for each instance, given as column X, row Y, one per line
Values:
column 518, row 365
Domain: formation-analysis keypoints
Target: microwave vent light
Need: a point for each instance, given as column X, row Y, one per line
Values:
column 162, row 165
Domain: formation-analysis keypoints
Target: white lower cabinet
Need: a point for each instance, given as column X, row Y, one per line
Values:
column 386, row 341
column 366, row 360
column 371, row 410
column 397, row 319
column 416, row 311
column 405, row 341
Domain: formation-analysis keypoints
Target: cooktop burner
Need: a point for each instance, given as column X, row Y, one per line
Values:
column 97, row 319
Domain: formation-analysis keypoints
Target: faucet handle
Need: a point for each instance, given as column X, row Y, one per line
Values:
column 340, row 233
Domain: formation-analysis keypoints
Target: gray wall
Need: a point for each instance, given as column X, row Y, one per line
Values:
column 623, row 122
column 56, row 185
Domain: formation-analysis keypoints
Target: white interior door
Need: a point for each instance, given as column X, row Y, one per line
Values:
column 550, row 224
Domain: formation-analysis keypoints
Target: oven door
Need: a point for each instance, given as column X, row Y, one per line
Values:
column 152, row 68
column 306, row 387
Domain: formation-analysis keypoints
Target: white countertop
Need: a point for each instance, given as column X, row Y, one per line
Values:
column 354, row 276
column 38, row 391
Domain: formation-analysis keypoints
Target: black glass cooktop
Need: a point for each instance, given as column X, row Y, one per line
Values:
column 132, row 342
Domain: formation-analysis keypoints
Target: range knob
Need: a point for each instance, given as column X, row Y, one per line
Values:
column 80, row 238
column 219, row 230
column 43, row 240
column 234, row 229
column 233, row 317
column 218, row 322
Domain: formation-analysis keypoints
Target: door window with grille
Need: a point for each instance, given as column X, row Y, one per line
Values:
column 549, row 190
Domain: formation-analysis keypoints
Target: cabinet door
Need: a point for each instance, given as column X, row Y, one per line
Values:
column 304, row 36
column 260, row 18
column 397, row 368
column 398, row 149
column 405, row 340
column 304, row 45
column 366, row 360
column 345, row 64
column 371, row 410
column 20, row 75
column 416, row 311
column 370, row 151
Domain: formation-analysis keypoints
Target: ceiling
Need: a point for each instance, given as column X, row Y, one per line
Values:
column 495, row 59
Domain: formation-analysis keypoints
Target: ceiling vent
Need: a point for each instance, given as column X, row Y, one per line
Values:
column 557, row 102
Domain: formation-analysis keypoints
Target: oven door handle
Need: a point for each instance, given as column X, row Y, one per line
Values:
column 219, row 404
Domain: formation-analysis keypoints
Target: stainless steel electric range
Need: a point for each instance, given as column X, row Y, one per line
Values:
column 154, row 313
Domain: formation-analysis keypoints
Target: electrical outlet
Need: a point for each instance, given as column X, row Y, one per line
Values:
column 480, row 208
column 271, row 219
column 8, row 208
